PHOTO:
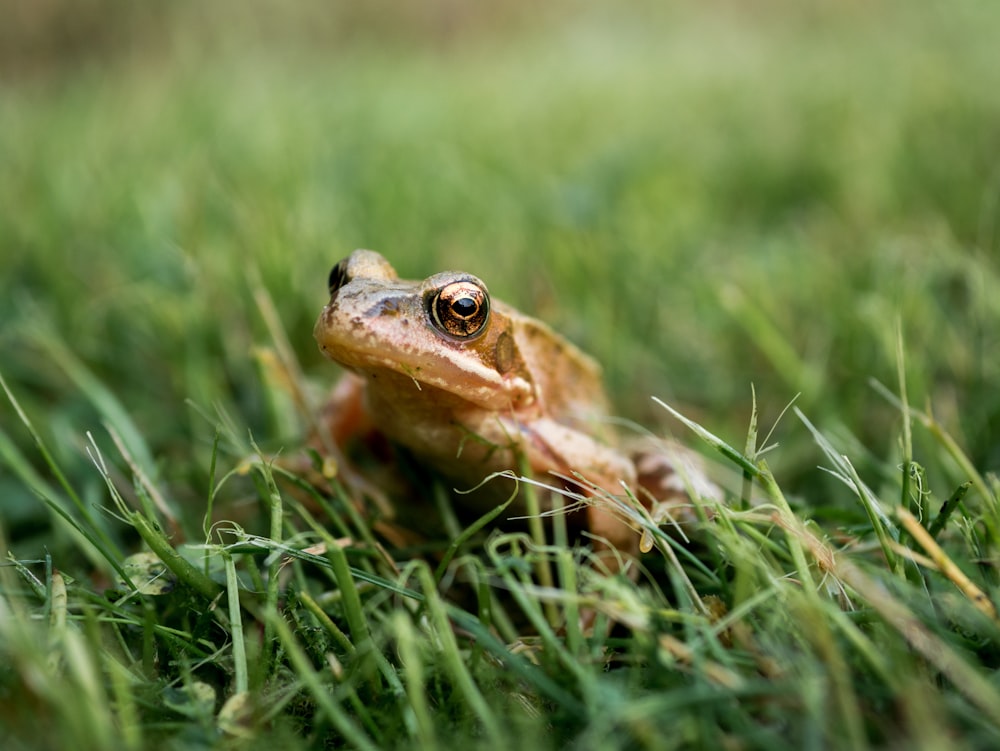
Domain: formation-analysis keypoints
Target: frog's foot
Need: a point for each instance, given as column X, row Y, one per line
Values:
column 673, row 482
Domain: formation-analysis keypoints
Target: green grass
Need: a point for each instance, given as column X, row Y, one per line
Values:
column 727, row 207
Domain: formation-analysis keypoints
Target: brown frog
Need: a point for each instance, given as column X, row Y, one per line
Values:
column 471, row 386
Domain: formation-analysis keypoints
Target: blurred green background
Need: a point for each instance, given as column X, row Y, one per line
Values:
column 703, row 196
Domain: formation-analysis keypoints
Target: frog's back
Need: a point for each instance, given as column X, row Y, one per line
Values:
column 569, row 382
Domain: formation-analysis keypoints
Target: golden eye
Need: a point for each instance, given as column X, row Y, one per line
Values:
column 461, row 309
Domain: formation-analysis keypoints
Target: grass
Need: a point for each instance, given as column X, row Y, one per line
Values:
column 731, row 209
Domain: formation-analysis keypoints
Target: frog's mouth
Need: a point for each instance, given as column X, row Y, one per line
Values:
column 389, row 334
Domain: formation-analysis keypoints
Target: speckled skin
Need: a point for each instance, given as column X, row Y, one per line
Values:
column 469, row 407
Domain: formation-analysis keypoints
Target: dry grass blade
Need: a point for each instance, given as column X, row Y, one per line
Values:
column 945, row 564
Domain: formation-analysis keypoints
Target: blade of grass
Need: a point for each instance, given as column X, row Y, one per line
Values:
column 712, row 440
column 953, row 502
column 937, row 431
column 794, row 529
column 477, row 525
column 451, row 656
column 907, row 447
column 536, row 527
column 320, row 693
column 153, row 536
column 419, row 719
column 185, row 572
column 152, row 493
column 885, row 531
column 91, row 531
column 353, row 611
column 241, row 682
column 970, row 682
column 750, row 450
column 103, row 399
column 947, row 566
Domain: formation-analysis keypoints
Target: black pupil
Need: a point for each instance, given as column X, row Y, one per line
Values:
column 464, row 307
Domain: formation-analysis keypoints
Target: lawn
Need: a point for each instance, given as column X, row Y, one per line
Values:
column 733, row 208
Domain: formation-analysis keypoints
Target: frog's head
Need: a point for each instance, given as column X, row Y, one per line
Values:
column 443, row 332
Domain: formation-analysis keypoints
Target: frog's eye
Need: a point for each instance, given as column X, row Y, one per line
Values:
column 338, row 276
column 461, row 309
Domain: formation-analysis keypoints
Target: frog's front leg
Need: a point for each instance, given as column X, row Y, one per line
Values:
column 604, row 471
column 346, row 422
column 345, row 415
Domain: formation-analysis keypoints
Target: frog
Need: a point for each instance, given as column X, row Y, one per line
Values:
column 475, row 389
